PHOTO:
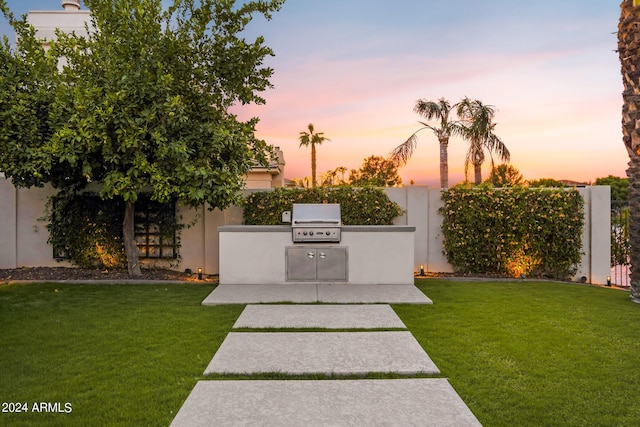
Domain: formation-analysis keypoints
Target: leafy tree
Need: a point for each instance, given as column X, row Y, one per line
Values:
column 546, row 182
column 141, row 103
column 478, row 130
column 444, row 129
column 28, row 77
column 312, row 138
column 619, row 186
column 376, row 171
column 629, row 54
column 505, row 175
column 302, row 182
column 334, row 177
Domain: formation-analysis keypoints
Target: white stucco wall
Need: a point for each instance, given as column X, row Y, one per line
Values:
column 8, row 225
column 256, row 254
column 596, row 236
column 46, row 21
column 23, row 237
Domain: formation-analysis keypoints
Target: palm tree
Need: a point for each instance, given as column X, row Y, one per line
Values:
column 629, row 53
column 478, row 130
column 311, row 138
column 445, row 128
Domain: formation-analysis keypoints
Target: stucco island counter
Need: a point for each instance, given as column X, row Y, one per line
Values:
column 366, row 254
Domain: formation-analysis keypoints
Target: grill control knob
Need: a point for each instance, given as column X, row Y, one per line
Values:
column 327, row 233
column 304, row 233
column 311, row 233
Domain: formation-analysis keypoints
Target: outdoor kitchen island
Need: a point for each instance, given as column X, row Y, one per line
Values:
column 364, row 254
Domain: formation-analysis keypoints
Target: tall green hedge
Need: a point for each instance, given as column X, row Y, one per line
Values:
column 513, row 231
column 359, row 206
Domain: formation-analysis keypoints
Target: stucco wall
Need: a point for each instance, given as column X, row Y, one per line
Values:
column 23, row 237
column 256, row 254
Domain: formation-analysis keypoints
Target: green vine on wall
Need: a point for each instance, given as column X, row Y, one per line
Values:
column 87, row 230
column 513, row 231
column 358, row 206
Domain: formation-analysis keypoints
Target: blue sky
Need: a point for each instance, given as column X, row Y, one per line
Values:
column 354, row 68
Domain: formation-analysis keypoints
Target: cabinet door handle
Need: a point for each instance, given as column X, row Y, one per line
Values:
column 323, row 255
column 310, row 255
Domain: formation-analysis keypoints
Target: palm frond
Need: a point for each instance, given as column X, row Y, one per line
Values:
column 495, row 144
column 304, row 139
column 430, row 109
column 403, row 152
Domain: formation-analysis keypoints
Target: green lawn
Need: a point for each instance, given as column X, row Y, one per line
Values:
column 119, row 354
column 534, row 353
column 519, row 353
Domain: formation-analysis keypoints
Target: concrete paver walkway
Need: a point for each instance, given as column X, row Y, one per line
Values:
column 312, row 293
column 319, row 316
column 397, row 402
column 341, row 353
column 406, row 402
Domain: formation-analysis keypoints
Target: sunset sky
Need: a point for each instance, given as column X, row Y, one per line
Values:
column 355, row 68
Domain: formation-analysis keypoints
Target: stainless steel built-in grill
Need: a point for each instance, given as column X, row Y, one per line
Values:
column 315, row 222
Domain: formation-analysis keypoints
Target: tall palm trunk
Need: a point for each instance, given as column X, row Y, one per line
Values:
column 629, row 53
column 444, row 163
column 478, row 160
column 312, row 138
column 314, row 181
column 477, row 174
column 129, row 240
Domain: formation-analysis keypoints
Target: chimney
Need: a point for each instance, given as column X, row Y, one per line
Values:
column 71, row 4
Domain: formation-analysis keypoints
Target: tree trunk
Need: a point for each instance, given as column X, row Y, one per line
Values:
column 129, row 240
column 629, row 54
column 313, row 165
column 634, row 225
column 444, row 163
column 477, row 172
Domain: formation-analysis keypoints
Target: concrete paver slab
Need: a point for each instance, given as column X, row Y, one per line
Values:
column 403, row 402
column 319, row 316
column 251, row 294
column 391, row 294
column 339, row 353
column 312, row 293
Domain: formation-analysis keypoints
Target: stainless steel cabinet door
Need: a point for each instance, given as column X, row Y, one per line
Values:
column 332, row 264
column 301, row 263
column 317, row 264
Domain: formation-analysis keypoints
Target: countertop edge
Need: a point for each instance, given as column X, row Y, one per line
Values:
column 287, row 228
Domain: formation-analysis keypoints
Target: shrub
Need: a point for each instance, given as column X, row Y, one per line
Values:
column 513, row 231
column 359, row 206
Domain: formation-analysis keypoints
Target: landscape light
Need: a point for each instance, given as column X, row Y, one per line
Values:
column 200, row 273
column 608, row 280
column 421, row 270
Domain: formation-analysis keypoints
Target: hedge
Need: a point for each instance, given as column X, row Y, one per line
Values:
column 359, row 206
column 513, row 231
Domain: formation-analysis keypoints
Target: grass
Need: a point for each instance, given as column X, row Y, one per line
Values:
column 518, row 353
column 119, row 354
column 534, row 353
